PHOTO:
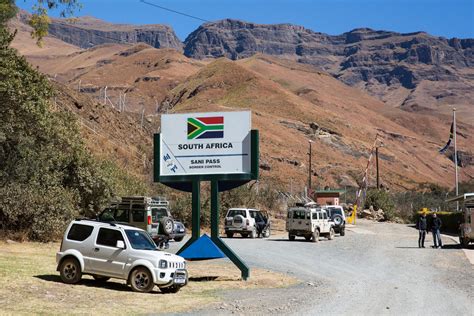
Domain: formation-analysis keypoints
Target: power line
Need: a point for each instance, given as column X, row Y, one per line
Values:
column 174, row 11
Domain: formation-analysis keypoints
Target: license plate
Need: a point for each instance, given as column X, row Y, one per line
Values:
column 180, row 281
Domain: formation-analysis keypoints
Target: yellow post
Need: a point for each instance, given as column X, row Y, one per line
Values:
column 352, row 218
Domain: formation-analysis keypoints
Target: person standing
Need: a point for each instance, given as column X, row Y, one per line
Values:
column 422, row 225
column 435, row 229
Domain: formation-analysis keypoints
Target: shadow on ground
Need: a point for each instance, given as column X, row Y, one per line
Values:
column 87, row 282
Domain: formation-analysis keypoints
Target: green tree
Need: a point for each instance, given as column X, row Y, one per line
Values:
column 381, row 199
column 46, row 174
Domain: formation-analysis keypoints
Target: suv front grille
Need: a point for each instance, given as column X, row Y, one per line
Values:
column 177, row 265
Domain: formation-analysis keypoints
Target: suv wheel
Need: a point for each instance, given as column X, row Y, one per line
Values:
column 167, row 225
column 100, row 278
column 331, row 234
column 267, row 233
column 291, row 237
column 141, row 280
column 343, row 231
column 464, row 241
column 70, row 271
column 253, row 234
column 315, row 236
column 337, row 220
column 229, row 235
column 170, row 289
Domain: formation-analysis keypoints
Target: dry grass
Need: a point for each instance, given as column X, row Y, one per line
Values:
column 29, row 284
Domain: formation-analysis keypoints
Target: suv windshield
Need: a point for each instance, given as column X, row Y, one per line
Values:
column 140, row 240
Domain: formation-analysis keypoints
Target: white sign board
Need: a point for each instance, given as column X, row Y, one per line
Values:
column 205, row 143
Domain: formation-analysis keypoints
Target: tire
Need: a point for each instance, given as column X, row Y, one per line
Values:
column 315, row 236
column 141, row 280
column 291, row 237
column 70, row 271
column 267, row 233
column 253, row 234
column 331, row 234
column 100, row 278
column 244, row 235
column 338, row 220
column 166, row 226
column 464, row 242
column 238, row 221
column 178, row 239
column 170, row 289
column 342, row 232
column 229, row 235
column 308, row 237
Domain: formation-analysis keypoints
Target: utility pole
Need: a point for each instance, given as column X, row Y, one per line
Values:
column 105, row 95
column 377, row 166
column 455, row 157
column 309, row 166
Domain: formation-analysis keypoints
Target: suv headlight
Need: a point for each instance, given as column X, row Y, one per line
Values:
column 163, row 264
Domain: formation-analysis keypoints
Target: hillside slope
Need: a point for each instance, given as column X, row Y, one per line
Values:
column 292, row 103
column 412, row 71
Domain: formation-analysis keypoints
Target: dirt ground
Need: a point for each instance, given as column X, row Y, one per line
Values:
column 30, row 284
column 376, row 269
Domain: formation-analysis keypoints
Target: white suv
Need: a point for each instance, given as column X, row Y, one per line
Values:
column 108, row 250
column 310, row 222
column 247, row 222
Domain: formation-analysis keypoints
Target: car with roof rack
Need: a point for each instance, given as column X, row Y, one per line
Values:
column 108, row 250
column 151, row 214
column 309, row 221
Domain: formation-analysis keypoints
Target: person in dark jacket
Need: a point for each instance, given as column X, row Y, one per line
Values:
column 435, row 229
column 422, row 226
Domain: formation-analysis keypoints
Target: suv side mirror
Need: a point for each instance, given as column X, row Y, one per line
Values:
column 120, row 244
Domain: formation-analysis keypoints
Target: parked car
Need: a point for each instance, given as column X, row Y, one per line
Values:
column 336, row 214
column 247, row 222
column 150, row 214
column 310, row 222
column 108, row 250
column 466, row 227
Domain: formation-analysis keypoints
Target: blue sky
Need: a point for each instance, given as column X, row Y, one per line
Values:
column 448, row 18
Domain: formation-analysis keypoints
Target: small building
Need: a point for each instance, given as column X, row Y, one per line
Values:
column 327, row 197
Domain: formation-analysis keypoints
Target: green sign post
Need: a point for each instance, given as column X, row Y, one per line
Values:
column 215, row 147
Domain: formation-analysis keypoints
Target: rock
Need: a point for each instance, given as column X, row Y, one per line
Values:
column 87, row 32
column 365, row 214
column 375, row 59
column 9, row 241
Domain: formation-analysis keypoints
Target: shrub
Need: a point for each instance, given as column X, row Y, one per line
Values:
column 381, row 199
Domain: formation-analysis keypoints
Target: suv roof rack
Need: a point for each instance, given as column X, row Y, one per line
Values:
column 111, row 223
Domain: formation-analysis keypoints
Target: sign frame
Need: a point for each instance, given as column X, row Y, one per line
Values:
column 219, row 182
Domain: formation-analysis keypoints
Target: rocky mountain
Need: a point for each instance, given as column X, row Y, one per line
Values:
column 291, row 102
column 413, row 70
column 88, row 31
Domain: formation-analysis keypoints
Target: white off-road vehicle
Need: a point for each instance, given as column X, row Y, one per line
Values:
column 310, row 222
column 108, row 250
column 247, row 222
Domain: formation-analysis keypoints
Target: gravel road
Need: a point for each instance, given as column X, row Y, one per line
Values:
column 377, row 268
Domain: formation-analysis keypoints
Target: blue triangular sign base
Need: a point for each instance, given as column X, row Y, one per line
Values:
column 202, row 249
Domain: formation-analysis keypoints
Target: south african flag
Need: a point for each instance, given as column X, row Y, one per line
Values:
column 206, row 127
